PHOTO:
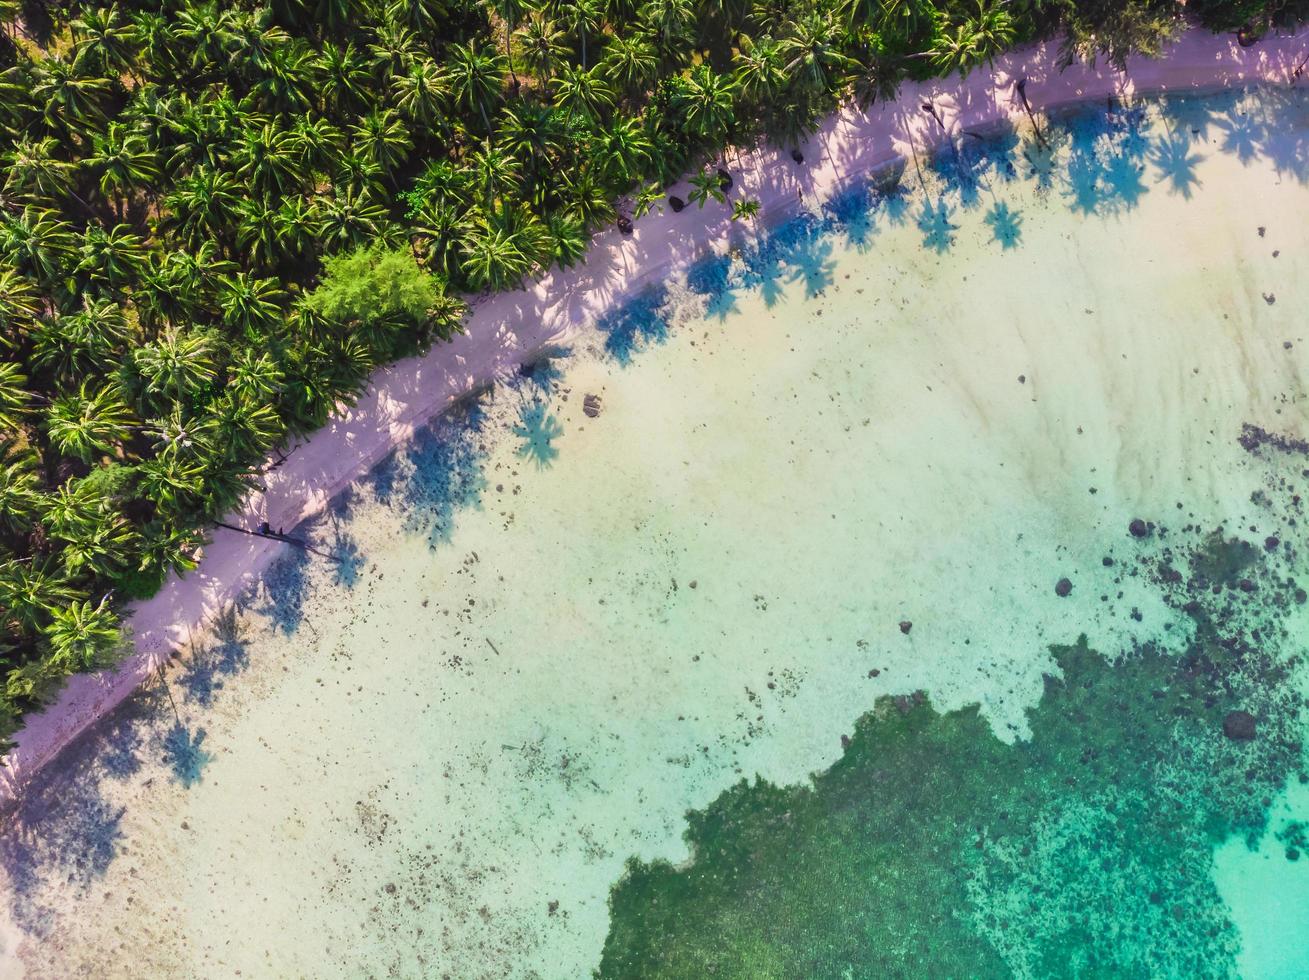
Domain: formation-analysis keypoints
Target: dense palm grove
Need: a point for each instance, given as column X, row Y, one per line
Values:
column 216, row 218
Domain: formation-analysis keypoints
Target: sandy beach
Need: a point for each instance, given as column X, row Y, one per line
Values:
column 506, row 330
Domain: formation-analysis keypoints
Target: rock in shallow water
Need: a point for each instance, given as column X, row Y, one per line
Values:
column 1063, row 588
column 1239, row 725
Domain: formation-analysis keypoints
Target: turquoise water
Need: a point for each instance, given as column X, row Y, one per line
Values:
column 556, row 706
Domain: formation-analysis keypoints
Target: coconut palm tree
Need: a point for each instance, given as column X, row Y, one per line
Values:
column 39, row 242
column 122, row 161
column 175, row 364
column 543, row 45
column 106, row 42
column 421, row 92
column 631, row 61
column 89, row 422
column 477, row 78
column 15, row 399
column 31, row 591
column 251, row 305
column 80, row 635
column 813, row 52
column 584, row 18
column 581, row 92
column 987, row 31
column 705, row 100
column 383, row 135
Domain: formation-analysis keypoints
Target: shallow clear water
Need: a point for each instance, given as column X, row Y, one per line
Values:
column 552, row 643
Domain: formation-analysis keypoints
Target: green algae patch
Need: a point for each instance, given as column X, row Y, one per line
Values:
column 932, row 848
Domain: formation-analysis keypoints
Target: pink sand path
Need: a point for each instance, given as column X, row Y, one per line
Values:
column 506, row 330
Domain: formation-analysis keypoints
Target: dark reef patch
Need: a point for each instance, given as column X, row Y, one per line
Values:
column 931, row 848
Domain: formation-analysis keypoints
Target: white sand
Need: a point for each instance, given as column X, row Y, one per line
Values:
column 508, row 329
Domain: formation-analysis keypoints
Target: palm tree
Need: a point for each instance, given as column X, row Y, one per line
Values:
column 672, row 21
column 420, row 93
column 175, row 364
column 123, row 161
column 622, row 151
column 476, row 78
column 383, row 136
column 745, row 209
column 580, row 91
column 19, row 303
column 30, row 592
column 112, row 258
column 81, row 635
column 204, row 205
column 14, row 396
column 34, row 171
column 267, row 157
column 342, row 77
column 543, row 46
column 499, row 251
column 496, row 171
column 20, row 484
column 245, row 428
column 90, row 422
column 251, row 305
column 106, row 41
column 631, row 61
column 706, row 185
column 349, row 217
column 585, row 18
column 38, row 241
column 760, row 69
column 72, row 102
column 706, row 102
column 76, row 345
column 510, row 13
column 394, row 51
column 980, row 38
column 813, row 52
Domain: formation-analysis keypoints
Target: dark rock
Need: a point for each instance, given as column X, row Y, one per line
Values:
column 1271, row 543
column 1063, row 588
column 1138, row 528
column 1269, row 298
column 1239, row 726
column 1107, row 562
column 1293, row 854
column 591, row 406
column 1245, row 585
column 694, row 583
column 553, row 906
column 1022, row 379
column 1300, row 597
column 675, row 202
column 845, row 741
column 390, row 887
column 797, row 156
column 905, row 626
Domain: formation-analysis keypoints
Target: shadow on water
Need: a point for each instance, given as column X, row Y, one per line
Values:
column 436, row 473
column 537, row 429
column 934, row 222
column 67, row 829
column 223, row 653
column 1006, row 225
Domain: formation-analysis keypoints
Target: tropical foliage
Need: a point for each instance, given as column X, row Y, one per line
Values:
column 216, row 218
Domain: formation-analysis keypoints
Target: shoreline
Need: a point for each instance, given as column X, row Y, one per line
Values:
column 507, row 329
